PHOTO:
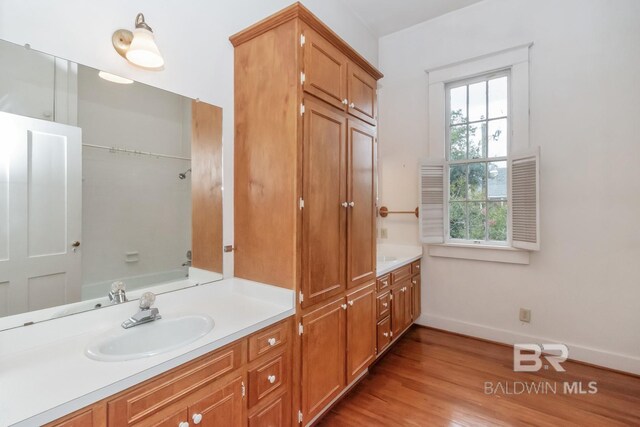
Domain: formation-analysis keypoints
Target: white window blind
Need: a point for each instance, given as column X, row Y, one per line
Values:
column 432, row 201
column 525, row 200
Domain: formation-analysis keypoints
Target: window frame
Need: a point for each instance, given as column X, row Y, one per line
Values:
column 466, row 81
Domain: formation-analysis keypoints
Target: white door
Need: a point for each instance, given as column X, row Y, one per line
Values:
column 40, row 214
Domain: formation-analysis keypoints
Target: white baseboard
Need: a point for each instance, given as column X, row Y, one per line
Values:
column 621, row 362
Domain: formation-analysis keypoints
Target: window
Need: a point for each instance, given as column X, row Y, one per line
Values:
column 476, row 159
column 479, row 186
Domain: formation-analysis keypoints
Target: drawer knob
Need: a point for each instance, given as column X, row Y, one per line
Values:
column 351, row 303
column 271, row 378
column 414, row 282
column 386, row 334
column 345, row 102
column 385, row 304
column 197, row 418
column 352, row 105
column 271, row 341
column 183, row 424
column 344, row 306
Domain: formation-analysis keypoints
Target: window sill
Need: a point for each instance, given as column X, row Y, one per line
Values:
column 504, row 254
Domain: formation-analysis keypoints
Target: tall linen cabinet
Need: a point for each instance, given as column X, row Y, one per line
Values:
column 304, row 193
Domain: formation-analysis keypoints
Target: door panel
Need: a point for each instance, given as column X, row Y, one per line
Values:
column 40, row 214
column 276, row 414
column 324, row 189
column 223, row 407
column 361, row 94
column 397, row 310
column 361, row 330
column 325, row 69
column 323, row 357
column 415, row 297
column 361, row 220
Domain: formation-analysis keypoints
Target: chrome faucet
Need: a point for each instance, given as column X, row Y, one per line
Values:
column 118, row 294
column 146, row 313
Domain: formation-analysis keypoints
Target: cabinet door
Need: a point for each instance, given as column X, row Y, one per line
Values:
column 361, row 94
column 324, row 191
column 361, row 330
column 325, row 70
column 323, row 357
column 415, row 297
column 361, row 220
column 222, row 407
column 408, row 307
column 397, row 310
column 275, row 414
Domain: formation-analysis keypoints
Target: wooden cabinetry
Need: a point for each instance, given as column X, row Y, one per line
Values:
column 323, row 356
column 361, row 330
column 400, row 290
column 305, row 135
column 222, row 388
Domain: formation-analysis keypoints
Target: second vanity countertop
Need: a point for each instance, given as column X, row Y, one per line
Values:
column 44, row 373
column 392, row 256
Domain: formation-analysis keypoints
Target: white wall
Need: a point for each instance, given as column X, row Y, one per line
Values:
column 132, row 203
column 192, row 36
column 582, row 287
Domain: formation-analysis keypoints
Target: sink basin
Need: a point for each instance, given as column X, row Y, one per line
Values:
column 149, row 339
column 386, row 258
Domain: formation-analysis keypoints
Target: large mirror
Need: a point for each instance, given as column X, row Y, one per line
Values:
column 105, row 183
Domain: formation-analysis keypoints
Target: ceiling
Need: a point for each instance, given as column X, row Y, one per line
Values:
column 388, row 16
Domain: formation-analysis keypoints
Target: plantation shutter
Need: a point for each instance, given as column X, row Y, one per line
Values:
column 525, row 201
column 432, row 202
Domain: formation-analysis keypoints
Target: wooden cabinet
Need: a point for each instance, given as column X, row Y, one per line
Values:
column 383, row 282
column 383, row 305
column 361, row 247
column 304, row 152
column 324, row 218
column 275, row 414
column 384, row 335
column 361, row 330
column 415, row 297
column 323, row 356
column 325, row 69
column 221, row 388
column 397, row 309
column 361, row 94
column 223, row 406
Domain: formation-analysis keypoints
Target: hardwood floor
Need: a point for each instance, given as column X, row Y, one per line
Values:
column 433, row 378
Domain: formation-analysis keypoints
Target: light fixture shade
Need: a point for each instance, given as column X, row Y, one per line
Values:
column 114, row 79
column 143, row 51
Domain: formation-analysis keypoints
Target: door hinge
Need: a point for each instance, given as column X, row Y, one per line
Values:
column 300, row 417
column 390, row 333
column 302, row 39
column 302, row 77
column 301, row 203
column 244, row 390
column 390, row 297
column 300, row 328
column 300, row 296
column 302, row 109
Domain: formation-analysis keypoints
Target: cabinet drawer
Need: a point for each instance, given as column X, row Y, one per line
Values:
column 383, row 282
column 157, row 394
column 384, row 305
column 384, row 334
column 400, row 274
column 415, row 267
column 275, row 414
column 267, row 378
column 267, row 340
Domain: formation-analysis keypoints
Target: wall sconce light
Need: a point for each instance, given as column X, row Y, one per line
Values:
column 138, row 47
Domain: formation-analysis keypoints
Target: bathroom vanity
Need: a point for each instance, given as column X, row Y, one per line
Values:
column 240, row 369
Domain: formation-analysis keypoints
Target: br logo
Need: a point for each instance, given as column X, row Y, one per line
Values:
column 528, row 357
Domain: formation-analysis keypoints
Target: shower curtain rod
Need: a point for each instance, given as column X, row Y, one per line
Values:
column 125, row 150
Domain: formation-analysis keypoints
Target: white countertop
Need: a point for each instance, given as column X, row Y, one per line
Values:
column 391, row 256
column 44, row 373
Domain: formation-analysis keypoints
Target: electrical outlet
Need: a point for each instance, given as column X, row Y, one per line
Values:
column 525, row 315
column 384, row 233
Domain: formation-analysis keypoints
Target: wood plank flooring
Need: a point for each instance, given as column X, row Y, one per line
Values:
column 434, row 378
